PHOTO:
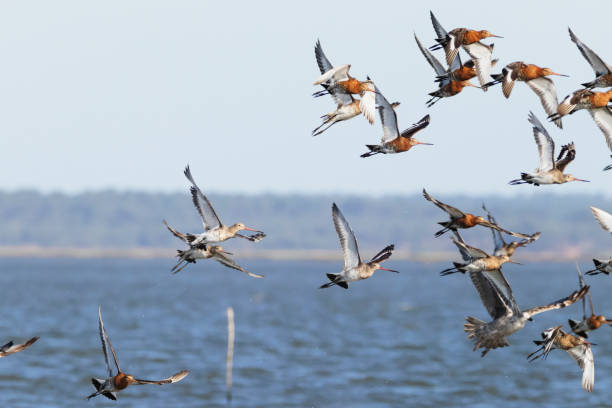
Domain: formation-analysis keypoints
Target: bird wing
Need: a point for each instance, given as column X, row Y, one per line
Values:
column 440, row 31
column 501, row 284
column 11, row 348
column 598, row 65
column 227, row 261
column 172, row 379
column 340, row 96
column 469, row 253
column 561, row 303
column 603, row 218
column 337, row 74
column 498, row 239
column 388, row 118
column 433, row 61
column 505, row 231
column 322, row 61
column 451, row 211
column 490, row 296
column 547, row 344
column 347, row 239
column 481, row 54
column 367, row 103
column 584, row 357
column 546, row 146
column 188, row 238
column 510, row 74
column 564, row 160
column 415, row 128
column 205, row 209
column 603, row 119
column 106, row 341
column 567, row 105
column 546, row 91
column 452, row 44
column 582, row 284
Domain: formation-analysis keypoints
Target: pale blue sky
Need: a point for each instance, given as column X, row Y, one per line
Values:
column 122, row 95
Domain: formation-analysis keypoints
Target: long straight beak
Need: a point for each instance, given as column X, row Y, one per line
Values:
column 254, row 230
column 423, row 143
column 514, row 262
column 471, row 84
column 496, row 36
column 577, row 179
column 223, row 251
column 563, row 75
column 389, row 270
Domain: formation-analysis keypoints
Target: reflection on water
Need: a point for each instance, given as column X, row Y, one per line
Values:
column 393, row 340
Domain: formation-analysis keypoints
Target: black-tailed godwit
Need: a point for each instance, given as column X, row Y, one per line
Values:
column 119, row 381
column 354, row 269
column 577, row 347
column 550, row 170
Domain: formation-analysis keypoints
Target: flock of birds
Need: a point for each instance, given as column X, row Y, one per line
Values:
column 484, row 269
column 341, row 86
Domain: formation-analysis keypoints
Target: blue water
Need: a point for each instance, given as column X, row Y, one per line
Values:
column 392, row 340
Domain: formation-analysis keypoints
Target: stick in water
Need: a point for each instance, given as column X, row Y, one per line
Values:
column 229, row 359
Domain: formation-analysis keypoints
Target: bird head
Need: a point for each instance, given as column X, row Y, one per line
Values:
column 569, row 177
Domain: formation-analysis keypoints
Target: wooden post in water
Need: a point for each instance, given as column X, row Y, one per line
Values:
column 229, row 359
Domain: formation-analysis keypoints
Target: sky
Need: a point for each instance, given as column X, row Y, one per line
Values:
column 122, row 95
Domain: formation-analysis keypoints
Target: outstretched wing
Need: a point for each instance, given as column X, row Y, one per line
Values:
column 598, row 65
column 469, row 253
column 603, row 218
column 188, row 238
column 338, row 93
column 206, row 210
column 584, row 357
column 546, row 146
column 546, row 91
column 227, row 261
column 582, row 284
column 481, row 54
column 415, row 128
column 509, row 75
column 336, row 74
column 498, row 239
column 561, row 303
column 347, row 239
column 547, row 344
column 603, row 120
column 566, row 155
column 492, row 299
column 106, row 341
column 322, row 61
column 451, row 211
column 172, row 379
column 388, row 118
column 433, row 61
column 11, row 348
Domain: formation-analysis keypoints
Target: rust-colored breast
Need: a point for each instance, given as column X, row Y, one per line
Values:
column 471, row 36
column 121, row 381
column 454, row 87
column 594, row 323
column 464, row 73
column 530, row 72
column 467, row 221
column 401, row 144
column 600, row 99
column 352, row 85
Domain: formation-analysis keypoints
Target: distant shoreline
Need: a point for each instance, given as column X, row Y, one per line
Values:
column 32, row 251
